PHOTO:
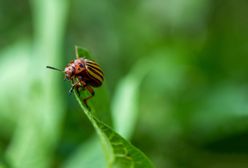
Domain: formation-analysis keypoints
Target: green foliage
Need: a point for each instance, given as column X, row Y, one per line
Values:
column 119, row 152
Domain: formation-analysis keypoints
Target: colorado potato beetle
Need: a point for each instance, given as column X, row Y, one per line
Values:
column 83, row 73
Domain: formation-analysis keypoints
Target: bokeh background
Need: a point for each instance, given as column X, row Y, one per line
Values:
column 175, row 81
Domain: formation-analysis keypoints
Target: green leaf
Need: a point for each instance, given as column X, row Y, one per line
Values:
column 81, row 52
column 119, row 152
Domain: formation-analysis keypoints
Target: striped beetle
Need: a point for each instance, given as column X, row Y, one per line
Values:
column 83, row 73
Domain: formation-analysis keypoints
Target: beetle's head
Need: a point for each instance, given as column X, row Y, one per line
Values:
column 69, row 72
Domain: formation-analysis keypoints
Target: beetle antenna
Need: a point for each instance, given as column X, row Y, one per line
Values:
column 54, row 68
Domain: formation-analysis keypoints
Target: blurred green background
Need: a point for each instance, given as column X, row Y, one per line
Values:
column 175, row 81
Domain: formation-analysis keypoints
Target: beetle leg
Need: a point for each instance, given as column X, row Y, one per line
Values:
column 91, row 91
column 71, row 89
column 77, row 88
column 73, row 86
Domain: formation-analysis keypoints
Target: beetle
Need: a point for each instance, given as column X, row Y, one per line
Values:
column 83, row 73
